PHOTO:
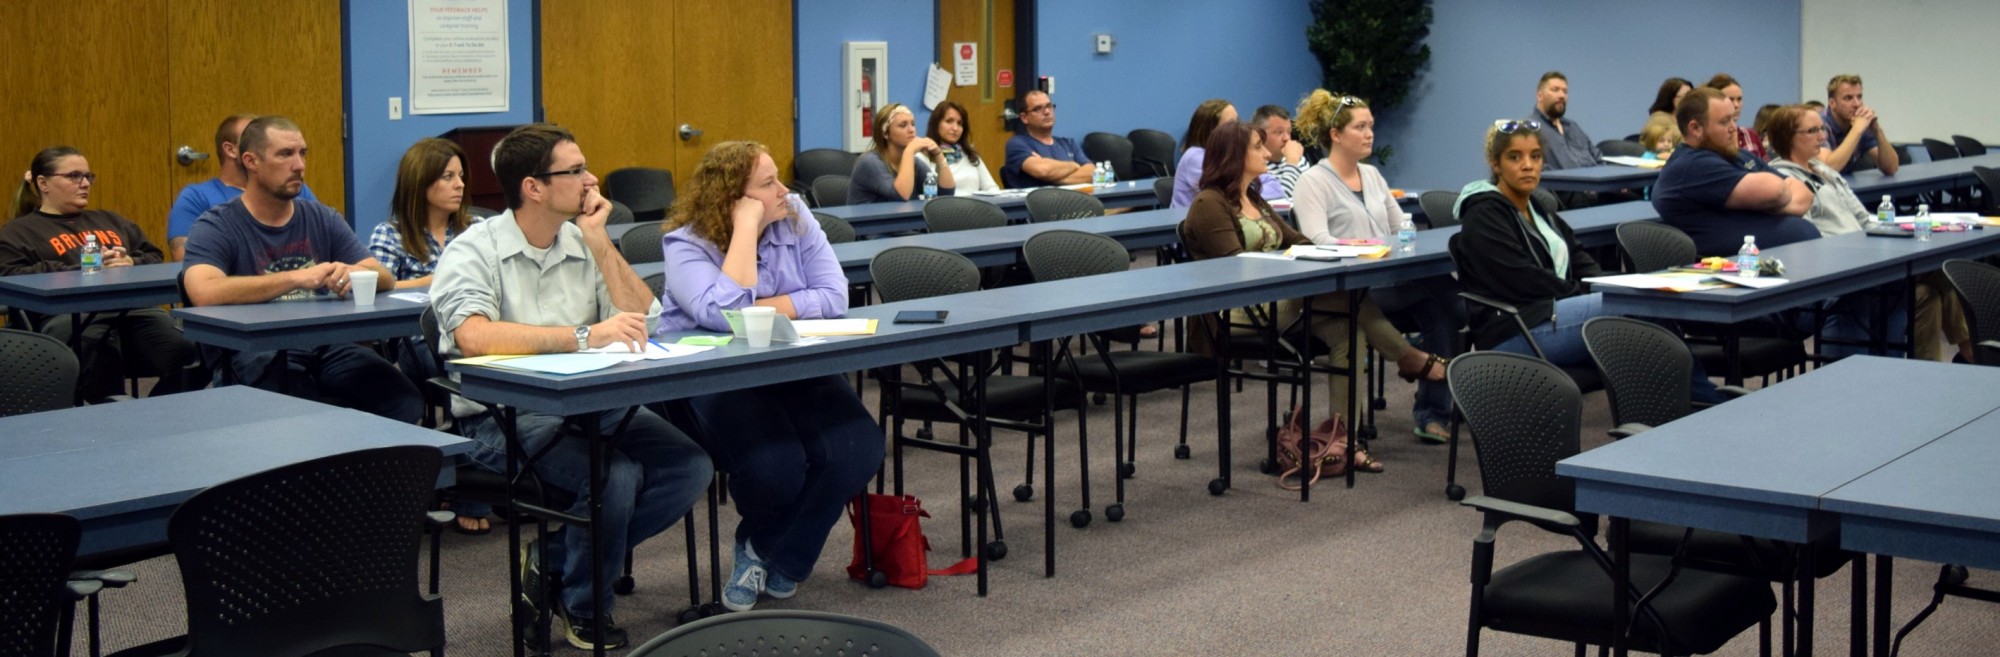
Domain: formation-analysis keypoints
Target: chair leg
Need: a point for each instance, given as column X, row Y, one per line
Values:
column 1182, row 451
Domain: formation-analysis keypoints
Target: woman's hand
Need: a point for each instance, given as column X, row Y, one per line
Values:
column 924, row 145
column 748, row 214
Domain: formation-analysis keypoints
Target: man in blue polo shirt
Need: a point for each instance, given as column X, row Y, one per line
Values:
column 227, row 184
column 1717, row 196
column 1854, row 135
column 1036, row 157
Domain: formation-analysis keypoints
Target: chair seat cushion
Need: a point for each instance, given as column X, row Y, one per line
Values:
column 1141, row 372
column 1760, row 356
column 1007, row 397
column 1727, row 552
column 1566, row 596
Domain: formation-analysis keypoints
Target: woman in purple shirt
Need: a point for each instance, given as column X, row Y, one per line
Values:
column 795, row 451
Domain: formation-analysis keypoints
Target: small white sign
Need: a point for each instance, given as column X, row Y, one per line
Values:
column 936, row 84
column 458, row 56
column 965, row 62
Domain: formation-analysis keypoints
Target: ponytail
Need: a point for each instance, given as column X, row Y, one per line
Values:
column 28, row 199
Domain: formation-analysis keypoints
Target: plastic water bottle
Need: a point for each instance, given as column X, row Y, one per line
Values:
column 1923, row 222
column 1110, row 174
column 1747, row 257
column 93, row 255
column 1406, row 236
column 1096, row 173
column 930, row 184
column 1885, row 213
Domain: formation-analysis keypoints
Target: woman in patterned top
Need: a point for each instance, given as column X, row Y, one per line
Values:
column 426, row 212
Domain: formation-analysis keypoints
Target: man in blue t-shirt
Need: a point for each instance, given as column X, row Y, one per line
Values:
column 269, row 245
column 1037, row 157
column 1854, row 135
column 1715, row 195
column 197, row 198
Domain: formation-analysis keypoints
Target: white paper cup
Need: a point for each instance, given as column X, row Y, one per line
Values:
column 361, row 285
column 757, row 322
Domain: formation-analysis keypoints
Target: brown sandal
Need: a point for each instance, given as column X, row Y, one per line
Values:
column 1432, row 363
column 1365, row 463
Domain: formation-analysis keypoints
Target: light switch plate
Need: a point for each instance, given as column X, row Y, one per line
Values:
column 1104, row 42
column 395, row 108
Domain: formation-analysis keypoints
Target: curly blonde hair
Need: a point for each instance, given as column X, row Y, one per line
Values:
column 717, row 183
column 1322, row 112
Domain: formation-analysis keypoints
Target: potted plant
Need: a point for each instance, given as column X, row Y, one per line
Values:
column 1372, row 49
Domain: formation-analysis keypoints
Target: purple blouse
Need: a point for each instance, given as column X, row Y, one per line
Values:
column 793, row 257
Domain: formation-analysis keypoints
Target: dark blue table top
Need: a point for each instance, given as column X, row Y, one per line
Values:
column 1951, row 481
column 301, row 324
column 1002, row 245
column 1917, row 177
column 116, row 288
column 1600, row 178
column 896, row 216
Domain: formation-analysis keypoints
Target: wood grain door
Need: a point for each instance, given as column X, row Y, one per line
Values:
column 608, row 76
column 990, row 24
column 734, row 77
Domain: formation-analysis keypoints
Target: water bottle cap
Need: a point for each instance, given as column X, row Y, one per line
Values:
column 1749, row 238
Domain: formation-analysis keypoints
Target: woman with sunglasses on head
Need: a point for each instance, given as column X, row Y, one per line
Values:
column 52, row 224
column 967, row 169
column 1516, row 250
column 896, row 165
column 1342, row 198
column 1207, row 117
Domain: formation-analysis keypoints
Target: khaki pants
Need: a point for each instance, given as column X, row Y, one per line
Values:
column 1938, row 313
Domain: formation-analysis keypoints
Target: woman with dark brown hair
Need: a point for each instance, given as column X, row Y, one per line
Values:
column 947, row 128
column 1208, row 116
column 1670, row 93
column 1747, row 139
column 426, row 212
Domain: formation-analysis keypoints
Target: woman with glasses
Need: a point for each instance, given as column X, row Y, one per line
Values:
column 1187, row 174
column 53, row 223
column 894, row 169
column 1341, row 198
column 968, row 171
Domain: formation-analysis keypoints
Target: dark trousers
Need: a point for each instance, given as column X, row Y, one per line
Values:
column 1431, row 308
column 796, row 452
column 144, row 335
column 346, row 375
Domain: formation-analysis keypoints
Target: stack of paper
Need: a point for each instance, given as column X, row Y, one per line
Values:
column 1669, row 282
column 825, row 327
column 1630, row 161
column 583, row 361
column 1311, row 251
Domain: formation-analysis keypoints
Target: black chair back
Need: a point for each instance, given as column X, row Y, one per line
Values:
column 830, row 190
column 1646, row 369
column 918, row 272
column 621, row 214
column 641, row 244
column 37, row 551
column 1989, row 179
column 810, row 164
column 1163, row 192
column 1967, row 146
column 311, row 557
column 648, row 192
column 1940, row 150
column 1546, row 198
column 37, row 373
column 1116, row 149
column 1154, row 153
column 1978, row 288
column 1438, row 207
column 1621, row 148
column 1058, row 204
column 481, row 213
column 837, row 230
column 657, row 282
column 943, row 215
column 1652, row 246
column 428, row 325
column 784, row 632
column 1058, row 254
column 1525, row 415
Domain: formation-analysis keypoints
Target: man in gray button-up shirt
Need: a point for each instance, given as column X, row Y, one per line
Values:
column 1568, row 147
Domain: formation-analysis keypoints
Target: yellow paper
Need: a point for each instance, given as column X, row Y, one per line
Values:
column 829, row 327
column 483, row 360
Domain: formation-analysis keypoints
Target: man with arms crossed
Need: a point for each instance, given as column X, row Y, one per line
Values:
column 1036, row 157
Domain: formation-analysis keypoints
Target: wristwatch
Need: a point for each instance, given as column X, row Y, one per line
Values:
column 583, row 337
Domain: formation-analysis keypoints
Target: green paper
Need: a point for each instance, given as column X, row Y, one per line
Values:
column 706, row 340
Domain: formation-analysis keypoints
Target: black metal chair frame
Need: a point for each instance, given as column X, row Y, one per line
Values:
column 781, row 630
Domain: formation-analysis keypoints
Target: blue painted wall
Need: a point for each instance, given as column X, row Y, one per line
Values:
column 1486, row 57
column 378, row 67
column 910, row 28
column 1169, row 56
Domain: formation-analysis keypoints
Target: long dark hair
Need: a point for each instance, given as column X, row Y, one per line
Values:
column 1228, row 147
column 1664, row 101
column 1206, row 116
column 965, row 129
column 422, row 166
column 28, row 199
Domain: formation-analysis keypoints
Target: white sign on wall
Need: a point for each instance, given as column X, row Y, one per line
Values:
column 965, row 62
column 458, row 56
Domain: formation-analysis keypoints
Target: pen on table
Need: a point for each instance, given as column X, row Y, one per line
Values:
column 656, row 344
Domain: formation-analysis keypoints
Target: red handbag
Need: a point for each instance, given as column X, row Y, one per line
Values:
column 896, row 535
column 1327, row 455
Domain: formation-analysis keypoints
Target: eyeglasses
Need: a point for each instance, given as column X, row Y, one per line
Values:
column 577, row 170
column 76, row 177
column 1042, row 108
column 1508, row 126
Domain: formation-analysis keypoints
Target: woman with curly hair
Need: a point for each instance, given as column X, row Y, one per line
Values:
column 796, row 451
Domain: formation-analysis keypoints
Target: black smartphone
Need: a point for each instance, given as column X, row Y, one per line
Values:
column 921, row 317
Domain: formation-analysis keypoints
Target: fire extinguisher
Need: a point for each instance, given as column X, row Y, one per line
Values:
column 868, row 106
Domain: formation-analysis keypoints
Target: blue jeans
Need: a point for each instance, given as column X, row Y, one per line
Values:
column 1852, row 318
column 346, row 375
column 796, row 452
column 652, row 475
column 1562, row 343
column 1431, row 307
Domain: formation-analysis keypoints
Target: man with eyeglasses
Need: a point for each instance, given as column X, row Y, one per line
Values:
column 227, row 184
column 530, row 281
column 1037, row 157
column 1715, row 196
column 1854, row 134
column 271, row 245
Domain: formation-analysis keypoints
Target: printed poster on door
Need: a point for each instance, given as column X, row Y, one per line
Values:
column 458, row 56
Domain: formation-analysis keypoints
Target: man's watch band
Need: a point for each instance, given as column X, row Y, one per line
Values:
column 583, row 337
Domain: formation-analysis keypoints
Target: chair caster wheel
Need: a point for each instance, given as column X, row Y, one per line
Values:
column 1114, row 513
column 624, row 585
column 1182, row 452
column 996, row 550
column 1217, row 486
column 977, row 504
column 1378, row 403
column 925, row 434
column 1023, row 493
column 712, row 609
column 878, row 579
column 1367, row 432
column 1454, row 492
column 1079, row 518
column 1098, row 399
column 688, row 615
column 1267, row 466
column 1127, row 469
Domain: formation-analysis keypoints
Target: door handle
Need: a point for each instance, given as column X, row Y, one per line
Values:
column 188, row 155
column 688, row 133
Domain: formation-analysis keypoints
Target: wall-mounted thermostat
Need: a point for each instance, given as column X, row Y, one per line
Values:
column 1104, row 42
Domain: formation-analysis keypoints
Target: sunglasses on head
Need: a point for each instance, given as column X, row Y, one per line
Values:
column 1509, row 126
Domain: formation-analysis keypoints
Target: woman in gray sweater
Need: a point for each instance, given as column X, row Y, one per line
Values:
column 895, row 169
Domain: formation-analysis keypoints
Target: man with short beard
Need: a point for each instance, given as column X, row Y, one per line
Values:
column 1715, row 196
column 269, row 244
column 1568, row 146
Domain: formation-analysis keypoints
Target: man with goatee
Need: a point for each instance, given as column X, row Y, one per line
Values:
column 1717, row 196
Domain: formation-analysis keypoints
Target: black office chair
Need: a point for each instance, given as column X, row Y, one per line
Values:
column 646, row 191
column 944, row 215
column 620, row 214
column 1621, row 148
column 1163, row 192
column 1438, row 207
column 481, row 213
column 1764, row 349
column 1154, row 153
column 1940, row 150
column 785, row 632
column 1527, row 415
column 830, row 190
column 37, row 373
column 1967, row 146
column 641, row 244
column 1978, row 288
column 1057, row 204
column 810, row 164
column 1989, row 184
column 1061, row 254
column 37, row 592
column 1116, row 149
column 257, row 582
column 837, row 230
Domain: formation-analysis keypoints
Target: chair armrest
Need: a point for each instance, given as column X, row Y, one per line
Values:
column 1490, row 302
column 81, row 589
column 1628, row 430
column 1518, row 511
column 113, row 579
column 438, row 518
column 1732, row 392
column 1988, row 352
column 444, row 383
